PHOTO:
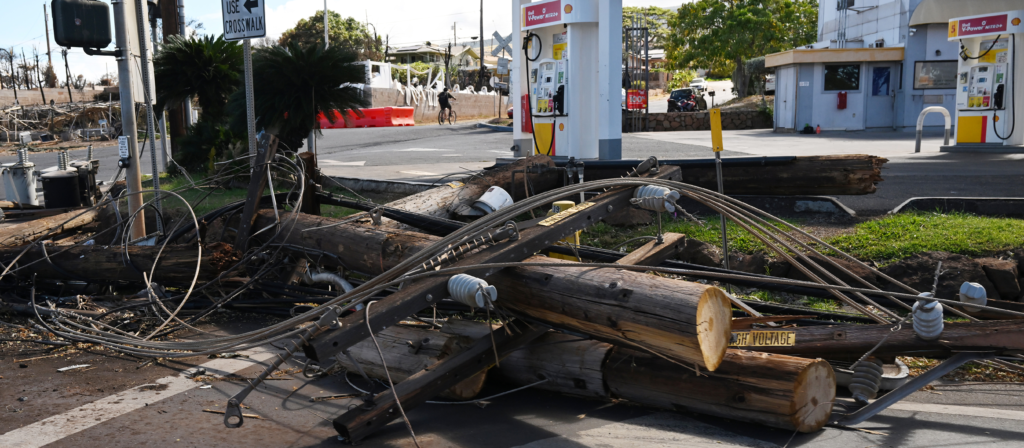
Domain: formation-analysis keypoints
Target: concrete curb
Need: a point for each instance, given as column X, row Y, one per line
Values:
column 1010, row 207
column 784, row 205
column 494, row 128
column 982, row 148
column 383, row 186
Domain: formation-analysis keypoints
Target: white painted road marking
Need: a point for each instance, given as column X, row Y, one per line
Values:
column 663, row 429
column 55, row 428
column 422, row 150
column 337, row 163
column 419, row 173
column 958, row 410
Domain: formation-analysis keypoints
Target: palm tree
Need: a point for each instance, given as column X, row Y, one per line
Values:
column 293, row 85
column 207, row 68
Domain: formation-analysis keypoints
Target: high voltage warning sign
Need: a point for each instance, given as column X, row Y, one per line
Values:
column 243, row 19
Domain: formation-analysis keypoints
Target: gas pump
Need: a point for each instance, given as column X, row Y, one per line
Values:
column 563, row 113
column 990, row 84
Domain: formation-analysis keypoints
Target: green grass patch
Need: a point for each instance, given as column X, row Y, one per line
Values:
column 899, row 236
column 611, row 237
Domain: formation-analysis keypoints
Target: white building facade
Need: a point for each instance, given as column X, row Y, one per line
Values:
column 877, row 64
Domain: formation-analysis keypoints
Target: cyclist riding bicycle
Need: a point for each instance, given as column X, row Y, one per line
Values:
column 443, row 99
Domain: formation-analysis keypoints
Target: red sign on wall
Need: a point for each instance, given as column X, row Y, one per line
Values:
column 550, row 12
column 636, row 99
column 982, row 25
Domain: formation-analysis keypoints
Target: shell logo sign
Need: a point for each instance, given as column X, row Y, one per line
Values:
column 954, row 26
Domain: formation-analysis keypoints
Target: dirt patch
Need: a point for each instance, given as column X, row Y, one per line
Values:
column 752, row 102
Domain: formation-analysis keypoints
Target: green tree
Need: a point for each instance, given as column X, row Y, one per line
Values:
column 710, row 33
column 293, row 85
column 206, row 68
column 347, row 33
column 656, row 18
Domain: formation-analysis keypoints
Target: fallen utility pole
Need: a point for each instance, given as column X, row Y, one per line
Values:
column 850, row 342
column 362, row 421
column 176, row 265
column 28, row 232
column 265, row 152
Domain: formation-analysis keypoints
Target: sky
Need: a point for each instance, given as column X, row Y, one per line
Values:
column 405, row 22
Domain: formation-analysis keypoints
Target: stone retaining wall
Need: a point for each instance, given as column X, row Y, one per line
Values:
column 700, row 121
column 468, row 105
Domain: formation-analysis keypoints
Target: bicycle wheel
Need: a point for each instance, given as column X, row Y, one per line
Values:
column 452, row 117
column 440, row 117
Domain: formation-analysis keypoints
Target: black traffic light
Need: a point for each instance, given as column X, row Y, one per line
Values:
column 81, row 23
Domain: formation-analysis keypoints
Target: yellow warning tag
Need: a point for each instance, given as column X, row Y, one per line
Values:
column 456, row 184
column 763, row 339
column 565, row 214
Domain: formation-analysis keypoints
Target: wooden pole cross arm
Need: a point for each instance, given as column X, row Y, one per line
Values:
column 265, row 153
column 424, row 293
column 360, row 422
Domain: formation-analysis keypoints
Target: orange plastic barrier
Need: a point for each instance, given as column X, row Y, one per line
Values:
column 378, row 117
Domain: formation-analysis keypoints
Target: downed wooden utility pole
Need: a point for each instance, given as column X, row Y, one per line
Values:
column 409, row 350
column 176, row 265
column 266, row 150
column 445, row 200
column 850, row 342
column 712, row 324
column 775, row 390
column 852, row 174
column 310, row 199
column 359, row 422
column 28, row 232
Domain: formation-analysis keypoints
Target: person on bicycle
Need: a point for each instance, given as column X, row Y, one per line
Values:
column 444, row 98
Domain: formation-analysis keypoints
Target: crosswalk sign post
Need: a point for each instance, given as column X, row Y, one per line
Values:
column 244, row 20
column 716, row 145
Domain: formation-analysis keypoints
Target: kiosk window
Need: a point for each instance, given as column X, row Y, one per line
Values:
column 842, row 77
column 935, row 75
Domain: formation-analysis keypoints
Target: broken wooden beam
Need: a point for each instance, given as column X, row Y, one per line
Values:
column 407, row 351
column 28, row 232
column 360, row 422
column 260, row 175
column 176, row 265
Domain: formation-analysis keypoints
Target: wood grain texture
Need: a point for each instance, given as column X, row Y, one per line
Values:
column 849, row 342
column 28, row 232
column 689, row 322
column 176, row 265
column 573, row 368
column 775, row 390
column 409, row 350
column 653, row 253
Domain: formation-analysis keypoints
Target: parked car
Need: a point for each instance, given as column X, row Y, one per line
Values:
column 510, row 111
column 699, row 84
column 686, row 100
column 769, row 85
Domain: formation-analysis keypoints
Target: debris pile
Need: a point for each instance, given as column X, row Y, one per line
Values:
column 63, row 122
column 436, row 294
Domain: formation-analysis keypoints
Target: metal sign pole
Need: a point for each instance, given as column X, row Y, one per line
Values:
column 716, row 145
column 250, row 108
column 141, row 10
column 129, row 128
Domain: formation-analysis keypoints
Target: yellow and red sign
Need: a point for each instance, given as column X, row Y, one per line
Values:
column 636, row 99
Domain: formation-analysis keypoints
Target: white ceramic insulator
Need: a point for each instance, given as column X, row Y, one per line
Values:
column 867, row 377
column 656, row 199
column 496, row 198
column 471, row 291
column 974, row 294
column 927, row 318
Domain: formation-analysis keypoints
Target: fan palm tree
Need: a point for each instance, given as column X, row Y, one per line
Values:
column 293, row 85
column 207, row 68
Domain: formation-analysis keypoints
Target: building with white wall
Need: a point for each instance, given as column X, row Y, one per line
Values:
column 886, row 60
